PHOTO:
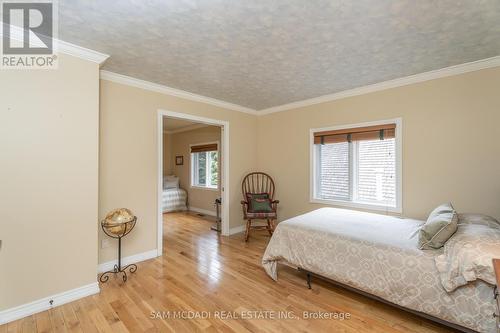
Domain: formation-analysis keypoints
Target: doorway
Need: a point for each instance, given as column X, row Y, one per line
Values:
column 223, row 150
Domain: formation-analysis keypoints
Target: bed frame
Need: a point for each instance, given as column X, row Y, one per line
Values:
column 309, row 275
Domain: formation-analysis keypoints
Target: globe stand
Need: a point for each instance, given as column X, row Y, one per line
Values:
column 124, row 229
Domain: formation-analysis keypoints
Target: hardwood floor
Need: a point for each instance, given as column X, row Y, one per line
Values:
column 200, row 271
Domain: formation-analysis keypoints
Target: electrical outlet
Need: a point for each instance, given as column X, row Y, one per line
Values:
column 105, row 243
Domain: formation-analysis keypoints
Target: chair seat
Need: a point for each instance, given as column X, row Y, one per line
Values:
column 266, row 215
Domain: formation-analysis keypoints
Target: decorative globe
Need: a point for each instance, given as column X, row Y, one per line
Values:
column 119, row 222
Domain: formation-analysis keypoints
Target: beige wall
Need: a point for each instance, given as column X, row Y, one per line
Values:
column 49, row 173
column 128, row 157
column 198, row 198
column 167, row 156
column 451, row 150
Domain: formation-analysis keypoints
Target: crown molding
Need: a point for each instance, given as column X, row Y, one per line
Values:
column 17, row 33
column 422, row 77
column 159, row 88
column 417, row 78
column 186, row 128
column 100, row 58
column 82, row 52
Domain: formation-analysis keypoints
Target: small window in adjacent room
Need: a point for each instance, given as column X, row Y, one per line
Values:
column 205, row 166
column 358, row 166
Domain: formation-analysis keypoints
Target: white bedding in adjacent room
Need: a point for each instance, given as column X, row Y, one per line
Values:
column 379, row 255
column 174, row 199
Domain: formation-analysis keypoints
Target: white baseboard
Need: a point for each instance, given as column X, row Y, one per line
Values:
column 202, row 211
column 237, row 230
column 107, row 266
column 43, row 304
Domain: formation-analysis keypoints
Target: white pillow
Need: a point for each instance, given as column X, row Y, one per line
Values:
column 170, row 182
column 440, row 226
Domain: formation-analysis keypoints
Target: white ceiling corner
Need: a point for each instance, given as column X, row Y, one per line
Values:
column 17, row 33
column 82, row 52
column 421, row 77
column 138, row 83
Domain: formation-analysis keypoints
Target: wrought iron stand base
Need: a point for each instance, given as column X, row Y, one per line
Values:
column 132, row 268
column 116, row 270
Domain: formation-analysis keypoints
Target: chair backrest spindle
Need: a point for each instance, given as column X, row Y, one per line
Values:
column 257, row 182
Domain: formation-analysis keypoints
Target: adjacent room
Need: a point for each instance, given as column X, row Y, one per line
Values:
column 192, row 167
column 250, row 166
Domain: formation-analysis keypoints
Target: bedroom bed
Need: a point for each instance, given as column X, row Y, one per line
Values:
column 378, row 255
column 173, row 197
column 174, row 200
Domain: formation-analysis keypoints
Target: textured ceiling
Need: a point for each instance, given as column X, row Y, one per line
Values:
column 263, row 53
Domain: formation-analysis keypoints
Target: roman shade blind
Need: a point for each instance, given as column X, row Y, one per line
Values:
column 378, row 132
column 203, row 148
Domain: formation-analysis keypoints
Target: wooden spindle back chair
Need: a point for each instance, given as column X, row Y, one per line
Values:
column 258, row 183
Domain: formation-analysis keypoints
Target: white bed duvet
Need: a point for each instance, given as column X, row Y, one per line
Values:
column 379, row 255
column 174, row 199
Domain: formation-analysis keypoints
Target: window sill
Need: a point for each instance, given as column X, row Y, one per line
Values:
column 361, row 205
column 215, row 189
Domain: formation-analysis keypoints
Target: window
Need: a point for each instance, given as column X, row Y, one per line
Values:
column 357, row 167
column 205, row 166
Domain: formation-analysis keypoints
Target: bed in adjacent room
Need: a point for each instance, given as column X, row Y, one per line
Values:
column 379, row 255
column 173, row 198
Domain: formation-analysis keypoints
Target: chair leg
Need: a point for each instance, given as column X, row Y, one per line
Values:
column 270, row 228
column 247, row 231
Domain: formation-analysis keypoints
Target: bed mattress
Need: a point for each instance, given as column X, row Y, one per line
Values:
column 377, row 254
column 174, row 199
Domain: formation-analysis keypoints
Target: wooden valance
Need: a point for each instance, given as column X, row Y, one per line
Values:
column 202, row 148
column 378, row 132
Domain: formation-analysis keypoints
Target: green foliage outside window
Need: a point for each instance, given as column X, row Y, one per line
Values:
column 202, row 168
column 214, row 167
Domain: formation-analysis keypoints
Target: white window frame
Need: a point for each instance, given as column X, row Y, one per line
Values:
column 314, row 169
column 192, row 171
